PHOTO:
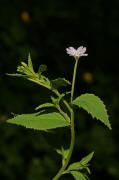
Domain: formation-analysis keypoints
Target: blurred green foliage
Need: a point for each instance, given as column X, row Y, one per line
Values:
column 46, row 28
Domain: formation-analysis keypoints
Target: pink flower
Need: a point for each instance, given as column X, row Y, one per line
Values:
column 76, row 53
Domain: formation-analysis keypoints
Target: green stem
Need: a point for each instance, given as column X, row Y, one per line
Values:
column 64, row 101
column 59, row 174
column 66, row 117
column 73, row 80
column 37, row 81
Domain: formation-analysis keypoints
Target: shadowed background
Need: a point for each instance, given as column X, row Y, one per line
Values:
column 46, row 28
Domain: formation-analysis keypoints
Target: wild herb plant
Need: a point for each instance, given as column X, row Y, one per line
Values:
column 45, row 120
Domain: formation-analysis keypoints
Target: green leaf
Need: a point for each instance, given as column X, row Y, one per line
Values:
column 18, row 75
column 56, row 83
column 78, row 167
column 63, row 152
column 46, row 105
column 81, row 164
column 21, row 69
column 25, row 69
column 88, row 170
column 24, row 64
column 42, row 121
column 59, row 151
column 75, row 166
column 78, row 175
column 62, row 96
column 87, row 158
column 41, row 69
column 55, row 100
column 93, row 105
column 30, row 65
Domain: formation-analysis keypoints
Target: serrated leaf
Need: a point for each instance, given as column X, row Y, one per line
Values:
column 78, row 175
column 87, row 158
column 46, row 105
column 59, row 82
column 42, row 121
column 30, row 65
column 94, row 106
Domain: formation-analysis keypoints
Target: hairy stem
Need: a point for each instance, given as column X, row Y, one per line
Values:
column 73, row 80
column 59, row 174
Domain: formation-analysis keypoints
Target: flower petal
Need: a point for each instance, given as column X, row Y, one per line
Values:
column 76, row 52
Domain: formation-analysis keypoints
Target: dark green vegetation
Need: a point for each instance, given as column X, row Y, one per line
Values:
column 46, row 29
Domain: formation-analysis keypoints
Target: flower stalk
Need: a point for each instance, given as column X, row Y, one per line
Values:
column 73, row 80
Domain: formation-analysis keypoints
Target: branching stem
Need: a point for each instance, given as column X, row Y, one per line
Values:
column 59, row 174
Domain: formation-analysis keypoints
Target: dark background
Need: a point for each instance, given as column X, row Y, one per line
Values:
column 46, row 29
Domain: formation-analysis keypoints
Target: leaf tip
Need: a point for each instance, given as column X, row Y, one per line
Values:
column 109, row 126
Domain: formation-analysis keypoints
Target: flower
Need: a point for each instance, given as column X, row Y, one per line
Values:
column 76, row 53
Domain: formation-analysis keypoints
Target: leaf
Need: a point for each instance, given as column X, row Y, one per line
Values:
column 63, row 152
column 88, row 170
column 41, row 69
column 86, row 177
column 59, row 151
column 78, row 175
column 87, row 158
column 56, row 83
column 81, row 164
column 42, row 121
column 93, row 105
column 62, row 95
column 30, row 65
column 55, row 100
column 21, row 69
column 18, row 75
column 24, row 64
column 46, row 105
column 75, row 166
